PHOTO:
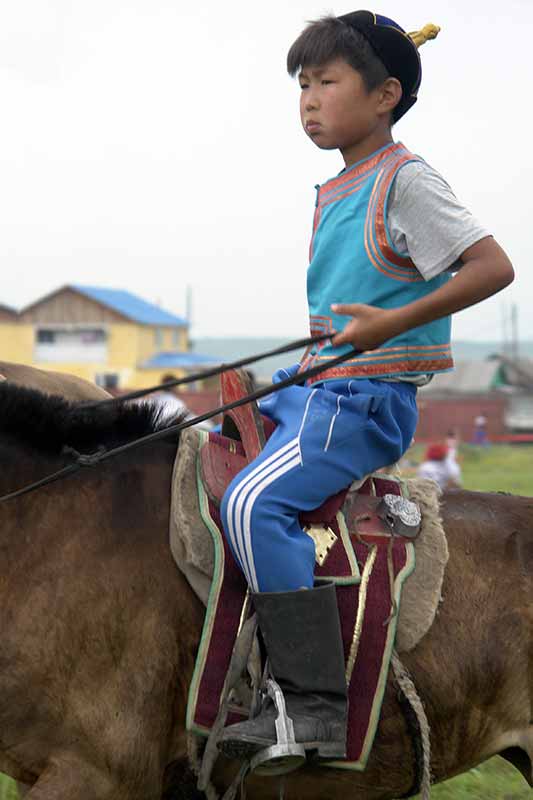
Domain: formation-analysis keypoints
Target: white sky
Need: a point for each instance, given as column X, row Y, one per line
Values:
column 150, row 144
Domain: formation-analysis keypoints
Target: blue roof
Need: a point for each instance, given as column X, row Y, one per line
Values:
column 176, row 359
column 130, row 305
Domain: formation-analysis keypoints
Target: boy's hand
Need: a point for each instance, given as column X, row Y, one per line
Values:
column 369, row 327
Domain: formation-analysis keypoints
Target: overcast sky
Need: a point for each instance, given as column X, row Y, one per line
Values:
column 149, row 144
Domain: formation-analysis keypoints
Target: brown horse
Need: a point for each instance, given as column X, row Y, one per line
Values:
column 99, row 630
column 50, row 382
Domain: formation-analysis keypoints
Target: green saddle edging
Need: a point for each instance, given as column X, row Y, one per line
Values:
column 214, row 591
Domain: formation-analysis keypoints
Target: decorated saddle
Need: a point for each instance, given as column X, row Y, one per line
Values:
column 367, row 540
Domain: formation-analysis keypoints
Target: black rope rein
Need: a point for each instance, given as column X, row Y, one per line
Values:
column 92, row 459
column 298, row 344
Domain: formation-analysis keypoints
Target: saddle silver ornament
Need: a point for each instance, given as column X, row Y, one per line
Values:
column 401, row 515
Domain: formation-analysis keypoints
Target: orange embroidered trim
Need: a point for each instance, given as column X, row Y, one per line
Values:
column 353, row 185
column 321, row 319
column 379, row 221
column 352, row 190
column 404, row 269
column 365, row 167
column 318, row 324
column 378, row 369
column 383, row 354
column 382, row 359
column 371, row 248
column 351, row 182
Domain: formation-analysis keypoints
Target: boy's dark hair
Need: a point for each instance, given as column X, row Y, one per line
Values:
column 328, row 38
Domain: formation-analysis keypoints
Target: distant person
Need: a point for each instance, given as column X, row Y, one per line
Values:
column 481, row 437
column 438, row 467
column 452, row 442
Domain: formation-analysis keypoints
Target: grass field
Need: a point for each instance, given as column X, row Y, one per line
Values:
column 8, row 789
column 501, row 468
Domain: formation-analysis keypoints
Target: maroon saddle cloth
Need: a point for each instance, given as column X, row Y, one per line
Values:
column 355, row 550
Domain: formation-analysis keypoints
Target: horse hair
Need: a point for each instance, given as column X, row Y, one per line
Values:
column 49, row 422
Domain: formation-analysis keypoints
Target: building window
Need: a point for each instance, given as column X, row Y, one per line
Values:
column 158, row 337
column 176, row 337
column 92, row 335
column 70, row 344
column 46, row 337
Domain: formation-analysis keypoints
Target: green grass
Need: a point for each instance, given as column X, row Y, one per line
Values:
column 494, row 780
column 8, row 789
column 497, row 468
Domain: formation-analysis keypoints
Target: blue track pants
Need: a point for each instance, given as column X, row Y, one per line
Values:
column 327, row 436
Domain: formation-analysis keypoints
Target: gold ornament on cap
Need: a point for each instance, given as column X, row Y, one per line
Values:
column 428, row 32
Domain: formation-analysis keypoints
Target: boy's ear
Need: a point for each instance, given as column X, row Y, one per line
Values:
column 390, row 95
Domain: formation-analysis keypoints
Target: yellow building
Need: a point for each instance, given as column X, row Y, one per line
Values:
column 108, row 336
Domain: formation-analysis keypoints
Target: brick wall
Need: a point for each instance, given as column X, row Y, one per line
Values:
column 440, row 414
column 437, row 414
column 201, row 402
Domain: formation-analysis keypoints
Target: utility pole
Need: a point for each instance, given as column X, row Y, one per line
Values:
column 515, row 349
column 503, row 310
column 188, row 311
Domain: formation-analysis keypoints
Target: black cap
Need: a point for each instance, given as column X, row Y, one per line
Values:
column 395, row 49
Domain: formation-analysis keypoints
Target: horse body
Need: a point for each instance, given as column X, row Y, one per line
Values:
column 474, row 670
column 50, row 382
column 99, row 634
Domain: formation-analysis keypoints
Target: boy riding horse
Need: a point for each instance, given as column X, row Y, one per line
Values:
column 388, row 232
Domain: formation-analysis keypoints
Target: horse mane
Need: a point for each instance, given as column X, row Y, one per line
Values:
column 49, row 422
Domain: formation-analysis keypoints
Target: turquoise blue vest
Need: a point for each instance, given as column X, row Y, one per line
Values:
column 352, row 260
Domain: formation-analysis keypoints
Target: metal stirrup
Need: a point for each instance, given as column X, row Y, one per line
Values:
column 286, row 755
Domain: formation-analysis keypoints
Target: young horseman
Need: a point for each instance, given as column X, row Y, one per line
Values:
column 387, row 232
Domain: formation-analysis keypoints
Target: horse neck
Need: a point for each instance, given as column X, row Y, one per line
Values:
column 23, row 464
column 121, row 490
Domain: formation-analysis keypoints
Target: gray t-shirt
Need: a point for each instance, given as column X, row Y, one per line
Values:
column 428, row 223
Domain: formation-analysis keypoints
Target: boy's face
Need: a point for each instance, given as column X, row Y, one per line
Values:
column 336, row 109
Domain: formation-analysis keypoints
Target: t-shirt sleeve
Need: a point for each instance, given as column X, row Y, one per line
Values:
column 427, row 222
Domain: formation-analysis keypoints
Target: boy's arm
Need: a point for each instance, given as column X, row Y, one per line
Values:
column 486, row 271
